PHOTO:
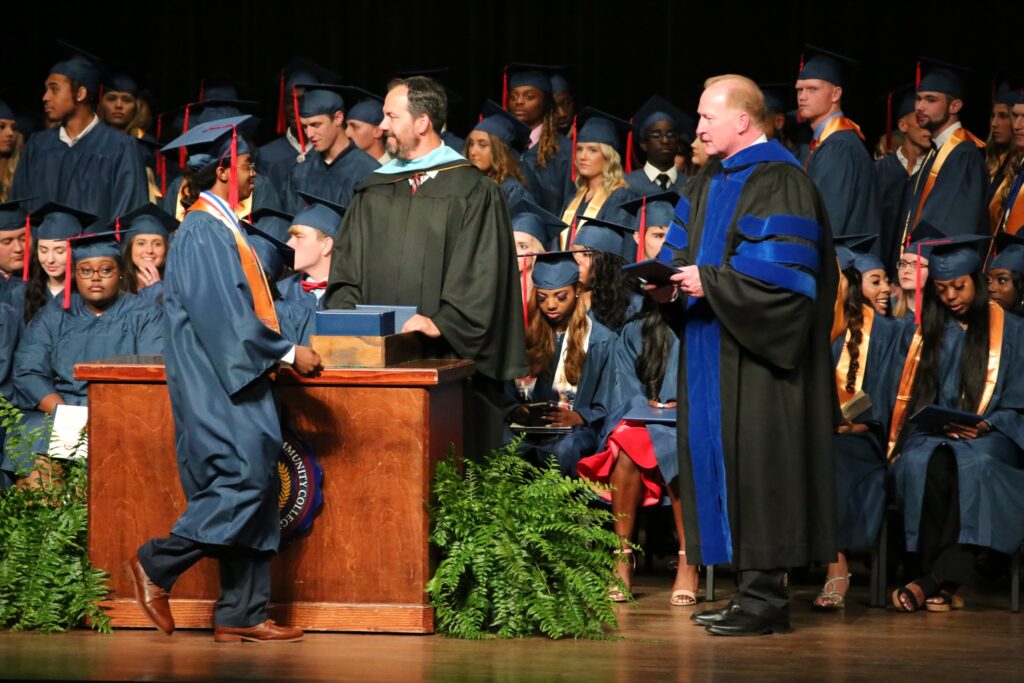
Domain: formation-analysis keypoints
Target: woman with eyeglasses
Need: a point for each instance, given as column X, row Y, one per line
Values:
column 912, row 271
column 95, row 321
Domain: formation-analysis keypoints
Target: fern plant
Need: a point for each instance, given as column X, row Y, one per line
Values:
column 524, row 551
column 46, row 580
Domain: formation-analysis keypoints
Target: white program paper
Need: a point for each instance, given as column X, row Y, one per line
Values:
column 69, row 423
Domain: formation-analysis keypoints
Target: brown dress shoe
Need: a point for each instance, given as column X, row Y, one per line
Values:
column 151, row 597
column 267, row 632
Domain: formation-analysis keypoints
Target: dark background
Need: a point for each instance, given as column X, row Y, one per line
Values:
column 619, row 52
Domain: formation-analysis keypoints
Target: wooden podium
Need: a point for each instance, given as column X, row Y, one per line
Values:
column 377, row 434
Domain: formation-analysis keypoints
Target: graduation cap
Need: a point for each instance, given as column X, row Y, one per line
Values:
column 273, row 222
column 956, row 256
column 825, row 65
column 148, row 219
column 594, row 125
column 439, row 74
column 214, row 109
column 899, row 102
column 80, row 66
column 655, row 210
column 6, row 113
column 56, row 221
column 920, row 241
column 778, row 97
column 299, row 70
column 520, row 75
column 598, row 234
column 555, row 269
column 13, row 215
column 535, row 221
column 503, row 125
column 942, row 77
column 218, row 86
column 320, row 99
column 657, row 108
column 559, row 83
column 369, row 109
column 852, row 252
column 1008, row 250
column 90, row 245
column 320, row 214
column 272, row 252
column 211, row 143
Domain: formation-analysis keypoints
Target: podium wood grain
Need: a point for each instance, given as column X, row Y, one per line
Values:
column 377, row 435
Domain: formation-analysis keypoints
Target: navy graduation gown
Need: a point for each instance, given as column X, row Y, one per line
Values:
column 990, row 468
column 102, row 174
column 452, row 140
column 297, row 320
column 515, row 192
column 893, row 181
column 844, row 174
column 612, row 211
column 153, row 294
column 551, row 184
column 291, row 290
column 956, row 205
column 226, row 426
column 335, row 182
column 642, row 185
column 275, row 160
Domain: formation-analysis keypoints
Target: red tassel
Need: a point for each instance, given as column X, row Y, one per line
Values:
column 629, row 150
column 28, row 248
column 504, row 88
column 298, row 123
column 800, row 119
column 182, row 152
column 117, row 229
column 574, row 149
column 640, row 255
column 888, row 122
column 917, row 288
column 480, row 118
column 99, row 97
column 202, row 90
column 572, row 232
column 233, row 175
column 282, row 120
column 917, row 76
column 526, row 294
column 67, row 278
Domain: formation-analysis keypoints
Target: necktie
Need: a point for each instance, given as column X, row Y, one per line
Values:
column 417, row 180
column 663, row 180
column 308, row 286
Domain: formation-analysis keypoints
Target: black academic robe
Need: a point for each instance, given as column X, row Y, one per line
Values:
column 842, row 170
column 893, row 183
column 102, row 174
column 956, row 204
column 757, row 401
column 336, row 182
column 218, row 354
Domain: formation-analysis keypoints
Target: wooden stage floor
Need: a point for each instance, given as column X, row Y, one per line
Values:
column 984, row 642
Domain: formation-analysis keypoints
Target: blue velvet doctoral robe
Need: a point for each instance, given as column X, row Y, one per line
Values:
column 860, row 458
column 642, row 185
column 335, row 182
column 551, row 184
column 567, row 449
column 956, row 205
column 226, row 425
column 264, row 195
column 103, row 174
column 990, row 468
column 844, row 174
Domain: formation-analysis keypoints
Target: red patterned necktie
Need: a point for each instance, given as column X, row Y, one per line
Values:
column 308, row 286
column 416, row 180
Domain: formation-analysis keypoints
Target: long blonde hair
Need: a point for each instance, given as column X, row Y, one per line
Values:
column 12, row 165
column 614, row 178
column 540, row 340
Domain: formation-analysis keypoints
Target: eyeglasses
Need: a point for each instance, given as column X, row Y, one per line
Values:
column 903, row 265
column 105, row 273
column 249, row 168
column 659, row 134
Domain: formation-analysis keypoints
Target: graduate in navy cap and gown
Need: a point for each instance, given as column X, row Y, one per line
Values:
column 660, row 130
column 223, row 345
column 96, row 321
column 333, row 165
column 495, row 145
column 362, row 123
column 653, row 214
column 610, row 295
column 839, row 164
column 950, row 191
column 14, row 223
column 912, row 272
column 601, row 188
column 1005, row 273
column 866, row 360
column 82, row 162
column 532, row 229
column 547, row 163
column 297, row 317
column 49, row 269
column 312, row 235
column 958, row 478
column 568, row 354
column 1011, row 204
column 144, row 250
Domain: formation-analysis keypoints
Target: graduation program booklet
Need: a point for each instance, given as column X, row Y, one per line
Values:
column 68, row 440
column 652, row 271
column 859, row 404
column 933, row 418
column 651, row 415
column 534, row 422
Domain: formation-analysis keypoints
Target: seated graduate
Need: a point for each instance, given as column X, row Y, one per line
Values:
column 97, row 321
column 297, row 317
column 601, row 188
column 179, row 197
column 312, row 236
column 959, row 482
column 610, row 295
column 1005, row 274
column 495, row 145
column 659, row 129
column 548, row 160
column 48, row 269
column 333, row 164
column 567, row 354
column 644, row 371
column 866, row 362
column 912, row 271
column 144, row 251
column 14, row 223
column 362, row 123
column 532, row 228
column 653, row 215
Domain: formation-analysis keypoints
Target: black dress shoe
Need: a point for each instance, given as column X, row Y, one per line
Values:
column 741, row 623
column 713, row 616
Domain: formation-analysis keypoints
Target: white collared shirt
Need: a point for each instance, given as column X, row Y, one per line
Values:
column 905, row 162
column 652, row 174
column 941, row 138
column 763, row 138
column 72, row 141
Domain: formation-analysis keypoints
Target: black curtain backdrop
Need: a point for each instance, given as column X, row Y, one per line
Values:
column 618, row 53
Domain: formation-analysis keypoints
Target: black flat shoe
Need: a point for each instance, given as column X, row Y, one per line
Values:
column 741, row 623
column 714, row 616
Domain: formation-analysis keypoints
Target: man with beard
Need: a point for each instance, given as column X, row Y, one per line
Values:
column 430, row 230
column 950, row 190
